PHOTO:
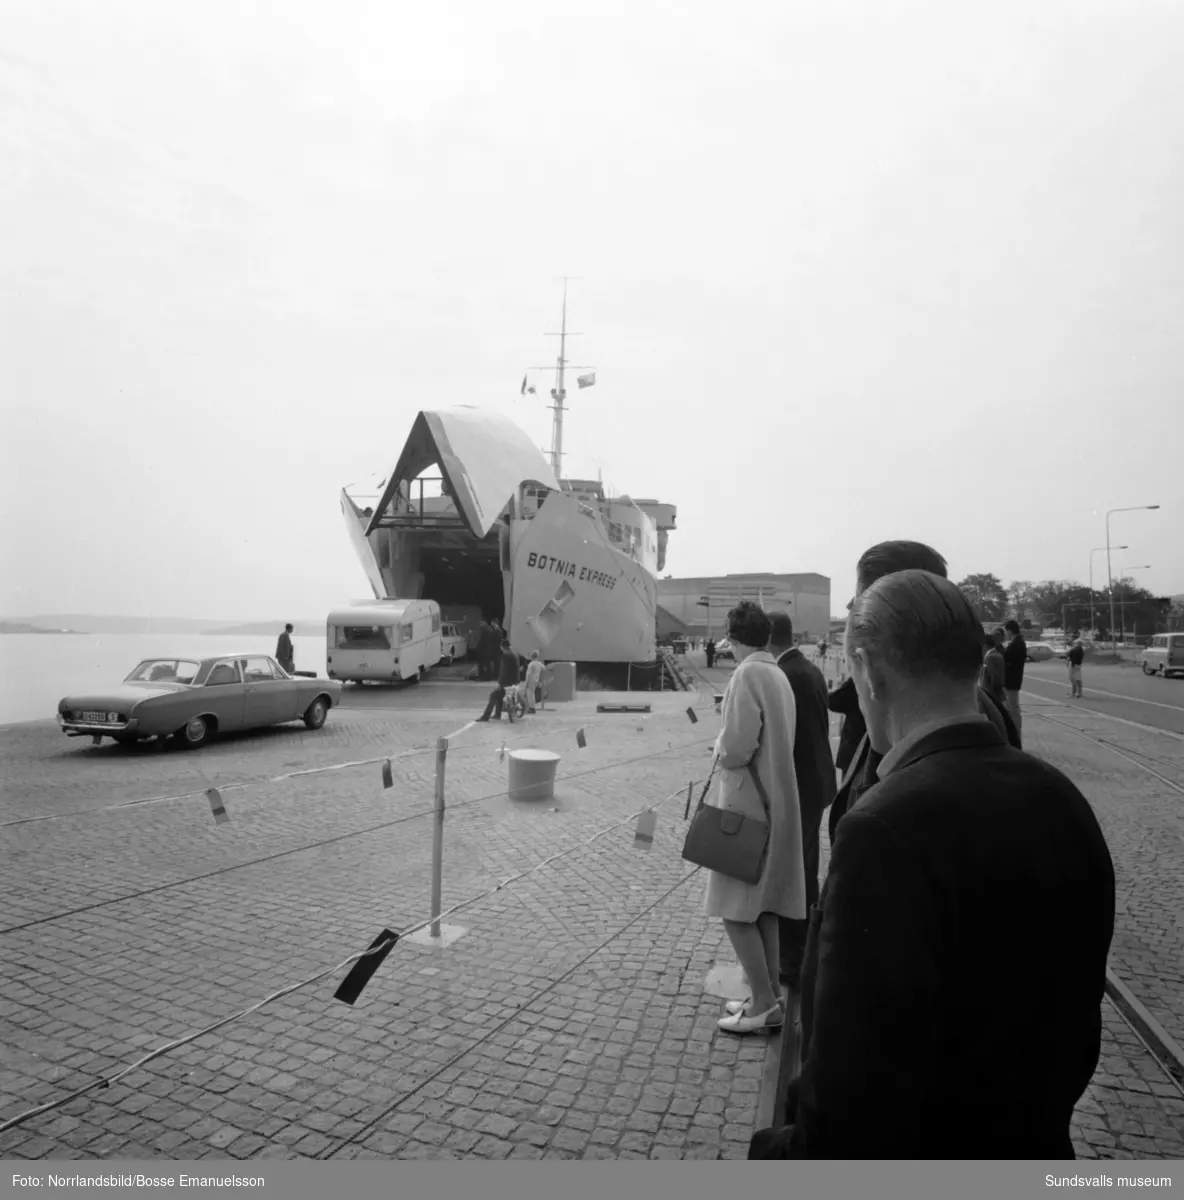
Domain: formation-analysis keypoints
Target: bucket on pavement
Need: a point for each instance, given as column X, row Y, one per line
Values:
column 532, row 774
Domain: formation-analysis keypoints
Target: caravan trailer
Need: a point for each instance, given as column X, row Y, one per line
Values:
column 383, row 640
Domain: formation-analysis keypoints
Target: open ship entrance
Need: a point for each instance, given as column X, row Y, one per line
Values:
column 425, row 550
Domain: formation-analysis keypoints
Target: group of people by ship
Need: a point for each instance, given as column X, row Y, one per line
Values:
column 955, row 857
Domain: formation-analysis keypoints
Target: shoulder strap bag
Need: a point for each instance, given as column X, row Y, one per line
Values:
column 729, row 842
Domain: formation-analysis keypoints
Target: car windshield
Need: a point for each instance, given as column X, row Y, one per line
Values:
column 170, row 670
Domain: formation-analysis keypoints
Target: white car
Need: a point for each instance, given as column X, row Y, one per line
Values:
column 453, row 643
column 1039, row 651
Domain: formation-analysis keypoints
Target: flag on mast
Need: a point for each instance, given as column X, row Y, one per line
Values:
column 586, row 380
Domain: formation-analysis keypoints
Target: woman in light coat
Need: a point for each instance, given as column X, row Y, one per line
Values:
column 757, row 739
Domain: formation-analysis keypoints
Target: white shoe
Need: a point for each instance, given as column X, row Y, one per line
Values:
column 738, row 1006
column 741, row 1023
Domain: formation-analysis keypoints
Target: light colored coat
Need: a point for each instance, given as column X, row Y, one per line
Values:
column 759, row 717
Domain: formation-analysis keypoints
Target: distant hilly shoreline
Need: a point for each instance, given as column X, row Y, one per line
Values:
column 89, row 623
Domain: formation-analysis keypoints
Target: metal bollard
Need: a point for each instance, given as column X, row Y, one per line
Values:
column 438, row 836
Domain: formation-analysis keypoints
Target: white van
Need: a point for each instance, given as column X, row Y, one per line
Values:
column 1165, row 655
column 383, row 640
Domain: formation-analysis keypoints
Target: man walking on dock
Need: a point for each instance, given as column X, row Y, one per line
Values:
column 508, row 678
column 285, row 655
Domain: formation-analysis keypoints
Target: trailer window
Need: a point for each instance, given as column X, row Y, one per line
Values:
column 363, row 637
column 435, row 622
column 406, row 634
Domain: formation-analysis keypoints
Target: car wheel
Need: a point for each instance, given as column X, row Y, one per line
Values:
column 195, row 733
column 1145, row 670
column 315, row 714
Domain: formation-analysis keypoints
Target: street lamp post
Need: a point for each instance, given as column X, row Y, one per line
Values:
column 1122, row 600
column 1109, row 574
column 1093, row 622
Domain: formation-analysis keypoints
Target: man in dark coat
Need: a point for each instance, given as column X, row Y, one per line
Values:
column 814, row 767
column 507, row 678
column 488, row 651
column 709, row 651
column 285, row 655
column 967, row 854
column 1015, row 655
column 860, row 768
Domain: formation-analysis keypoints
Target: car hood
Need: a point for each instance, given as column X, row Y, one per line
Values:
column 124, row 694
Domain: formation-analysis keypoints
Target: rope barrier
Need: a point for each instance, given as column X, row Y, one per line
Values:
column 287, row 991
column 513, row 1016
column 327, row 841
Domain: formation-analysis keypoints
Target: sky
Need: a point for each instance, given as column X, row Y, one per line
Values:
column 846, row 272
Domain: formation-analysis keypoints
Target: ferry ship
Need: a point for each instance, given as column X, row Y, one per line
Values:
column 474, row 517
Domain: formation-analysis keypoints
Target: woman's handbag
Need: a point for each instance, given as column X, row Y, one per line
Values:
column 728, row 842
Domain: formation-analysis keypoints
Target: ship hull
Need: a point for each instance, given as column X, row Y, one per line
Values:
column 572, row 596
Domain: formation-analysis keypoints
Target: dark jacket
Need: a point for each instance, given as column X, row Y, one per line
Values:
column 283, row 649
column 510, row 670
column 844, row 700
column 813, row 763
column 970, row 855
column 862, row 775
column 1015, row 654
column 1076, row 655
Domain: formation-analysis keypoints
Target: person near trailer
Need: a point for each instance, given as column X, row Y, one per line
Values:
column 709, row 651
column 1015, row 655
column 1075, row 658
column 285, row 654
column 534, row 681
column 814, row 769
column 507, row 678
column 965, row 851
column 489, row 651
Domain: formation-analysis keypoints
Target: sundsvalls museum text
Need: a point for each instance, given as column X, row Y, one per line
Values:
column 137, row 1181
column 561, row 566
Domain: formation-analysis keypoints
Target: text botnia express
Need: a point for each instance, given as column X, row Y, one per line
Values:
column 570, row 570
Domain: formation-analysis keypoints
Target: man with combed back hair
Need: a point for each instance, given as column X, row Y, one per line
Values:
column 965, row 859
column 857, row 758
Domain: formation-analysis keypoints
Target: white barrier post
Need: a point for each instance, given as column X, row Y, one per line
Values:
column 438, row 836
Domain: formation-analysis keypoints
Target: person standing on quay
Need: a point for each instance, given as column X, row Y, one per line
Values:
column 1076, row 658
column 814, row 768
column 991, row 679
column 1015, row 654
column 966, row 852
column 508, row 678
column 876, row 562
column 285, row 655
column 709, row 651
column 754, row 755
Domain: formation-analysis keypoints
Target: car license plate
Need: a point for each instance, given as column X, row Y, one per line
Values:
column 100, row 717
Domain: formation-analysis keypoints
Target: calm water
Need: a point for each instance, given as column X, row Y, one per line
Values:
column 38, row 669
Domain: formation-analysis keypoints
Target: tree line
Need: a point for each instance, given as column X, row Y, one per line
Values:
column 1064, row 602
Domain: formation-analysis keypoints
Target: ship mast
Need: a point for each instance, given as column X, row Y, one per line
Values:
column 559, row 393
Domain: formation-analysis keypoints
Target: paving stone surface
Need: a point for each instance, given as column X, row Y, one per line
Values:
column 570, row 1020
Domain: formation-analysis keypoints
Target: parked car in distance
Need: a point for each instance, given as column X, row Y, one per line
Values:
column 453, row 643
column 723, row 649
column 1039, row 651
column 1164, row 656
column 194, row 699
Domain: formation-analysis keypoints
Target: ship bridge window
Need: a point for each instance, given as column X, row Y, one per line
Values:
column 363, row 637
